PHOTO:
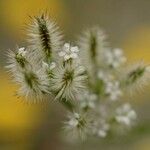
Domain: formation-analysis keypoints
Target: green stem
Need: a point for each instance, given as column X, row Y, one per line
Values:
column 70, row 106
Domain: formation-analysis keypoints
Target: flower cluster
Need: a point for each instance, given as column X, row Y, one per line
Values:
column 114, row 58
column 125, row 114
column 87, row 79
column 69, row 52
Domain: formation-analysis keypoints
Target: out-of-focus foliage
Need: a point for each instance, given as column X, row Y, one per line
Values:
column 15, row 12
column 137, row 44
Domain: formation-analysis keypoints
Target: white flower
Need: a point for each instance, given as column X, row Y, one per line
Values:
column 69, row 52
column 105, row 76
column 76, row 126
column 22, row 51
column 113, row 90
column 87, row 100
column 47, row 66
column 114, row 57
column 100, row 128
column 125, row 114
column 74, row 121
column 112, row 86
column 18, row 60
column 102, row 132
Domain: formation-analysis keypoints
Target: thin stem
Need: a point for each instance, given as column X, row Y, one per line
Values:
column 70, row 106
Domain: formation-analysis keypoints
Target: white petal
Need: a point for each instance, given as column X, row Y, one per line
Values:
column 44, row 65
column 61, row 54
column 102, row 133
column 74, row 55
column 66, row 47
column 118, row 52
column 66, row 57
column 73, row 122
column 53, row 65
column 75, row 49
column 132, row 114
column 22, row 49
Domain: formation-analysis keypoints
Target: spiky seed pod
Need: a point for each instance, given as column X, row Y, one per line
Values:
column 44, row 37
column 34, row 86
column 76, row 126
column 68, row 81
column 136, row 76
column 18, row 60
column 92, row 43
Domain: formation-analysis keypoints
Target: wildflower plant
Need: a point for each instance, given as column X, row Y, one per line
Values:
column 87, row 79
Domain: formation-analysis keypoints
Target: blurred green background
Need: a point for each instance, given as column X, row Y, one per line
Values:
column 127, row 22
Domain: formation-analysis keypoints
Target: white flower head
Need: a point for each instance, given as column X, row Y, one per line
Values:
column 69, row 52
column 87, row 101
column 76, row 126
column 113, row 90
column 114, row 58
column 47, row 66
column 105, row 76
column 100, row 128
column 22, row 51
column 125, row 115
column 18, row 60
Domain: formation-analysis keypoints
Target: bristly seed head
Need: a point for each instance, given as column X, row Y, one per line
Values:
column 68, row 81
column 134, row 75
column 68, row 76
column 76, row 126
column 44, row 36
column 31, row 79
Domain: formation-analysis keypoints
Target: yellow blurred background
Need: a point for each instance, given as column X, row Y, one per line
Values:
column 127, row 23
